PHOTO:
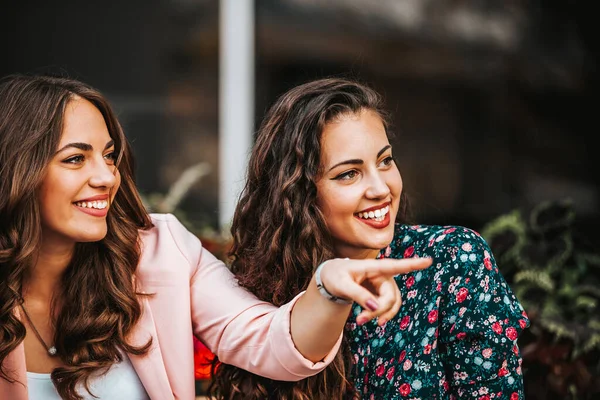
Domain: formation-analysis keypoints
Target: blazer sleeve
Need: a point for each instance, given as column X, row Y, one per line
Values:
column 235, row 325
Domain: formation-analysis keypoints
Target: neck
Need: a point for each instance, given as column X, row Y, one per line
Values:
column 44, row 277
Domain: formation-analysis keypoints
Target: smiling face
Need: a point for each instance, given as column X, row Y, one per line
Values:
column 81, row 179
column 359, row 188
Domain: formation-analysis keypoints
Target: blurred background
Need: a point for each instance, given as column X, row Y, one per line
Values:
column 492, row 102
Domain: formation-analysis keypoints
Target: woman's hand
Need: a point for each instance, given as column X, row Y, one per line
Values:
column 370, row 283
column 317, row 322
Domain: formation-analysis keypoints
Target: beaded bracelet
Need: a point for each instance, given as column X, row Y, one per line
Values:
column 324, row 292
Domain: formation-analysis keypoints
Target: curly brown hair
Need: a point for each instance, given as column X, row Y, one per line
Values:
column 99, row 304
column 277, row 224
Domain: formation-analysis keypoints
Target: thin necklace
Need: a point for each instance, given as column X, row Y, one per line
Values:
column 50, row 349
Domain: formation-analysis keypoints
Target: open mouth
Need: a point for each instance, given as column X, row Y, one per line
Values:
column 377, row 215
column 96, row 204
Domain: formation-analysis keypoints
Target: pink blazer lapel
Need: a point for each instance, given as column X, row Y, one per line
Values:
column 14, row 364
column 150, row 367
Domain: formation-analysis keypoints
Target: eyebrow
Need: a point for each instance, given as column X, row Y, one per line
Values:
column 84, row 146
column 359, row 161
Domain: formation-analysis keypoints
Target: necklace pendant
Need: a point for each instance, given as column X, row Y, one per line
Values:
column 52, row 351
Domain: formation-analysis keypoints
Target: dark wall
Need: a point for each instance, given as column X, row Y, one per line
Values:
column 480, row 129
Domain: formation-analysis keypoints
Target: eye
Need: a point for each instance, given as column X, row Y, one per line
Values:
column 388, row 161
column 78, row 159
column 346, row 176
column 111, row 157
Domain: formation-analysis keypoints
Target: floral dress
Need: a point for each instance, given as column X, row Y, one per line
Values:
column 455, row 336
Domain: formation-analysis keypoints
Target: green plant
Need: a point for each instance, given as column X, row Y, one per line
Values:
column 555, row 274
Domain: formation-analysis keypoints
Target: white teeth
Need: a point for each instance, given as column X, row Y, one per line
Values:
column 99, row 204
column 377, row 215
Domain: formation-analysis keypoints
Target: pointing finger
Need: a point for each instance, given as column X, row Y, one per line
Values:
column 392, row 267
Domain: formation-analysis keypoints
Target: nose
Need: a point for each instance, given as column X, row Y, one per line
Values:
column 377, row 186
column 103, row 175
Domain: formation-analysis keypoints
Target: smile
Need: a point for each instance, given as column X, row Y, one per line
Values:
column 98, row 205
column 96, row 208
column 376, row 215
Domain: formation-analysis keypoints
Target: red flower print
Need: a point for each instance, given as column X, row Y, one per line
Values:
column 404, row 389
column 487, row 353
column 404, row 322
column 409, row 252
column 410, row 281
column 432, row 317
column 427, row 349
column 461, row 335
column 488, row 263
column 446, row 386
column 522, row 323
column 380, row 370
column 402, row 355
column 390, row 373
column 516, row 350
column 449, row 230
column 439, row 287
column 485, row 397
column 497, row 328
column 511, row 333
column 514, row 396
column 462, row 294
column 503, row 372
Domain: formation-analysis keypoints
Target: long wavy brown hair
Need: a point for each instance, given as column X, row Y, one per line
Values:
column 277, row 224
column 99, row 305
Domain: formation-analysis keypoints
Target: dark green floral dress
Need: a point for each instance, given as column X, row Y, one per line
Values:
column 455, row 336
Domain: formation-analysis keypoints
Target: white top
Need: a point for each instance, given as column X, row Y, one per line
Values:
column 119, row 383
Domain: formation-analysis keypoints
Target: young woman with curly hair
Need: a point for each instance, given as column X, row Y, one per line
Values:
column 322, row 183
column 99, row 299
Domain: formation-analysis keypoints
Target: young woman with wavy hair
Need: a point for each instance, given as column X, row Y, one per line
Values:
column 99, row 299
column 322, row 183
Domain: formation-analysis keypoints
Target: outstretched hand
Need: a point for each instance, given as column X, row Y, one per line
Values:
column 370, row 283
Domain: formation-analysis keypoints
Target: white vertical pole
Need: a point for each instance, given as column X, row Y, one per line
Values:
column 236, row 101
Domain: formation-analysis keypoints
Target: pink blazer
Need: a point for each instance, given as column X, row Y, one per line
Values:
column 194, row 293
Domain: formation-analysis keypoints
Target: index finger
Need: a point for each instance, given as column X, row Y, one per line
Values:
column 390, row 266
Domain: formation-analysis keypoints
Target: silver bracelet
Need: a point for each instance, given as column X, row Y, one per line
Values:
column 324, row 292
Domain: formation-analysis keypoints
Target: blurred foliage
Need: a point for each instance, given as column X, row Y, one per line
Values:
column 217, row 243
column 555, row 273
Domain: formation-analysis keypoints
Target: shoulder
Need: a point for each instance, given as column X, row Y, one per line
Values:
column 436, row 240
column 457, row 252
column 167, row 226
column 168, row 244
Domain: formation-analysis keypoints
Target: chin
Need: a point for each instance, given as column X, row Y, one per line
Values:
column 384, row 240
column 89, row 237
